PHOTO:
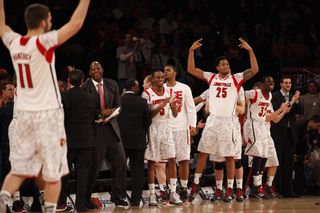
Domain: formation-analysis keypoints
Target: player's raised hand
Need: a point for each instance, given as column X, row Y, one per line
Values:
column 244, row 44
column 196, row 45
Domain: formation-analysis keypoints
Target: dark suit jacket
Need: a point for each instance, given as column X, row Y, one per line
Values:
column 6, row 114
column 134, row 121
column 79, row 108
column 111, row 97
column 279, row 130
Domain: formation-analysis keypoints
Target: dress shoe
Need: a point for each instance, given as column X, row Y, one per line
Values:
column 120, row 202
column 91, row 205
column 135, row 204
column 291, row 195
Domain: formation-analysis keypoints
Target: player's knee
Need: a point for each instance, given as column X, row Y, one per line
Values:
column 238, row 164
column 218, row 165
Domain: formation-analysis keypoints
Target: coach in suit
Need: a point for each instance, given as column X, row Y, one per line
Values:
column 79, row 108
column 134, row 121
column 285, row 136
column 107, row 135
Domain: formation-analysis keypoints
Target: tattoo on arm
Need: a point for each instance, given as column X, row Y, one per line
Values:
column 247, row 74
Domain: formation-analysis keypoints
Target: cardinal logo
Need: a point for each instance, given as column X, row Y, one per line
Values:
column 62, row 141
column 249, row 140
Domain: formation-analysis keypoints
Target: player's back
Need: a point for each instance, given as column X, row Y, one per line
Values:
column 33, row 60
column 154, row 100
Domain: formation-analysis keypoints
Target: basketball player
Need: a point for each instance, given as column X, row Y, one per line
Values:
column 186, row 118
column 256, row 132
column 218, row 137
column 161, row 145
column 39, row 140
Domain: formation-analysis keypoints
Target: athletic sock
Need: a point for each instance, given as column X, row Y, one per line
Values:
column 197, row 177
column 184, row 183
column 151, row 188
column 230, row 183
column 4, row 196
column 16, row 196
column 50, row 207
column 269, row 180
column 239, row 183
column 219, row 184
column 173, row 184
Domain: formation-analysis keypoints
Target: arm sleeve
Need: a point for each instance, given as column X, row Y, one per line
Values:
column 122, row 56
column 199, row 106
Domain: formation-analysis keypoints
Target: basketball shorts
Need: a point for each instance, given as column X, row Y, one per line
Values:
column 220, row 137
column 256, row 136
column 161, row 145
column 182, row 144
column 39, row 141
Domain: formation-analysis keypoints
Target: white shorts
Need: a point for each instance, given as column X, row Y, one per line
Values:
column 11, row 129
column 220, row 137
column 256, row 136
column 238, row 148
column 161, row 145
column 39, row 141
column 182, row 144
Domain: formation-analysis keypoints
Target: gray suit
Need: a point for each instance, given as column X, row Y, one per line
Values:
column 108, row 141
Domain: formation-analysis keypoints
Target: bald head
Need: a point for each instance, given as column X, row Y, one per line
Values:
column 96, row 71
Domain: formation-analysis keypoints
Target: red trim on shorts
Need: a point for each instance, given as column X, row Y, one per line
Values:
column 252, row 101
column 190, row 139
column 49, row 54
column 157, row 93
column 10, row 42
column 183, row 160
column 24, row 40
column 41, row 47
column 168, row 158
column 150, row 160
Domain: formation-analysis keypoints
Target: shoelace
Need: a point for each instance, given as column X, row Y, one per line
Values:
column 239, row 193
column 218, row 193
column 228, row 193
column 262, row 190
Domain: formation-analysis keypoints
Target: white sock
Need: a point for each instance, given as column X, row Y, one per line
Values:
column 16, row 196
column 197, row 177
column 270, row 180
column 256, row 181
column 184, row 183
column 4, row 196
column 50, row 207
column 173, row 184
column 260, row 179
column 151, row 188
column 219, row 184
column 239, row 183
column 41, row 197
column 162, row 186
column 230, row 183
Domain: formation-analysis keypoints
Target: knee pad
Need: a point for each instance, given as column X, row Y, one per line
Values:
column 238, row 164
column 219, row 165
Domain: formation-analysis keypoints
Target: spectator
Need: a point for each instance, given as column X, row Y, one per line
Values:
column 289, row 16
column 4, row 77
column 310, row 102
column 7, row 90
column 167, row 25
column 178, row 61
column 128, row 56
column 146, row 46
column 159, row 61
column 312, row 38
column 281, row 51
column 118, row 11
column 146, row 21
column 135, row 114
column 135, row 31
column 126, row 22
column 300, row 51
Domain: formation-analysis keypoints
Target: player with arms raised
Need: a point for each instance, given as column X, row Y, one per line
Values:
column 218, row 137
column 39, row 145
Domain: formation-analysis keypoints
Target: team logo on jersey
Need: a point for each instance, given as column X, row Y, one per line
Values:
column 62, row 142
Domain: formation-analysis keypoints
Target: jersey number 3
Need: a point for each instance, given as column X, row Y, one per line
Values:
column 222, row 91
column 26, row 68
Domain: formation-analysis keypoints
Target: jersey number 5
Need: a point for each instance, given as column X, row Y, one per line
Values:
column 28, row 75
column 223, row 92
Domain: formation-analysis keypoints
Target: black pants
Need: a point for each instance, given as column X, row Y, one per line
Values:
column 285, row 152
column 110, row 147
column 136, row 157
column 81, row 159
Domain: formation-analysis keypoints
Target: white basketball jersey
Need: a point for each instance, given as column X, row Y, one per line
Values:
column 33, row 60
column 185, row 105
column 259, row 105
column 223, row 93
column 154, row 99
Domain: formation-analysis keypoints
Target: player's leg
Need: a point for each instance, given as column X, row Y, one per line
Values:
column 270, row 189
column 257, row 189
column 218, row 172
column 51, row 196
column 239, row 180
column 10, row 185
column 184, row 174
column 150, row 172
column 160, row 169
column 172, row 173
column 230, row 166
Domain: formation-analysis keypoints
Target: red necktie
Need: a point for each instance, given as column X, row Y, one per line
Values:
column 102, row 103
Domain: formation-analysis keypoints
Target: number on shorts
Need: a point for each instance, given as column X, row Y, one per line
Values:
column 28, row 74
column 223, row 92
